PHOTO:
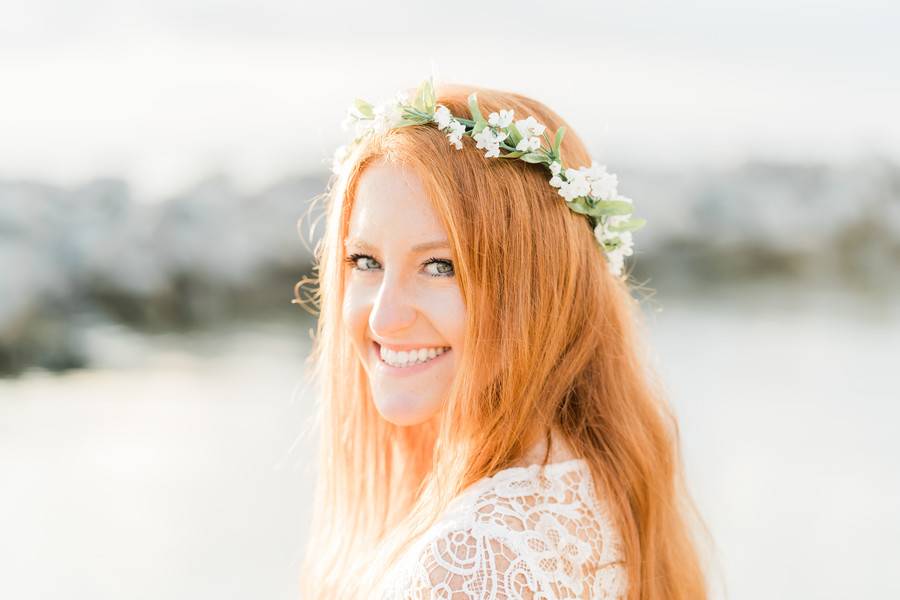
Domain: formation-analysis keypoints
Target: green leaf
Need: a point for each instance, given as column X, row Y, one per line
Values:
column 425, row 97
column 611, row 207
column 473, row 107
column 430, row 97
column 411, row 121
column 577, row 205
column 514, row 136
column 364, row 108
column 480, row 123
column 611, row 244
column 419, row 101
column 558, row 140
column 629, row 225
column 515, row 154
column 536, row 158
column 418, row 117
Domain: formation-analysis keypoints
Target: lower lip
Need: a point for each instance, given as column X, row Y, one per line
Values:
column 387, row 369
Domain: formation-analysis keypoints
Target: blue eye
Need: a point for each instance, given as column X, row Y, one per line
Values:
column 444, row 266
column 353, row 260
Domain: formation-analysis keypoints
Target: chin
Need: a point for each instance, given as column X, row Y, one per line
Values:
column 399, row 411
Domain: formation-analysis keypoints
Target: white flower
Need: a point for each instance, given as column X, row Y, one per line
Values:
column 617, row 219
column 340, row 154
column 489, row 140
column 556, row 181
column 362, row 127
column 457, row 130
column 500, row 120
column 529, row 127
column 387, row 115
column 576, row 186
column 604, row 186
column 615, row 261
column 528, row 144
column 615, row 257
column 627, row 243
column 593, row 181
column 381, row 123
column 442, row 117
column 595, row 171
column 570, row 190
column 602, row 232
column 348, row 121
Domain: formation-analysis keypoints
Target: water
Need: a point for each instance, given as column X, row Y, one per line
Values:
column 176, row 479
column 176, row 470
column 788, row 419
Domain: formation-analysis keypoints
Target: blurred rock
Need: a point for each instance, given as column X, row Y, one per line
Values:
column 73, row 257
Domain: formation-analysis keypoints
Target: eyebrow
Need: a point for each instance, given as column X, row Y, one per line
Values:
column 417, row 248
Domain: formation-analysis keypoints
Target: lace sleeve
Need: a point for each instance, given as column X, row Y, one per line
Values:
column 468, row 564
column 518, row 535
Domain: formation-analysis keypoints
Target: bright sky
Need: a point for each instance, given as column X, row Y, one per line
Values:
column 168, row 91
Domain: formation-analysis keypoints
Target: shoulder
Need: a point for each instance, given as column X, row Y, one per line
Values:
column 525, row 532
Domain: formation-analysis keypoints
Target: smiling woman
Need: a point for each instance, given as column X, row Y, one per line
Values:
column 488, row 428
column 402, row 302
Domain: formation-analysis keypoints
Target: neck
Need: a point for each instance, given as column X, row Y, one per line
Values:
column 559, row 450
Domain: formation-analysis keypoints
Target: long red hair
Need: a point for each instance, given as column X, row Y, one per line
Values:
column 551, row 342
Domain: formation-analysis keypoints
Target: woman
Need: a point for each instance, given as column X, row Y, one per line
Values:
column 488, row 428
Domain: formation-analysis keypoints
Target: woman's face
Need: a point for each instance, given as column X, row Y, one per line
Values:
column 402, row 304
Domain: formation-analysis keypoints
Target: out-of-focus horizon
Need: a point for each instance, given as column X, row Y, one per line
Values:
column 163, row 94
column 156, row 420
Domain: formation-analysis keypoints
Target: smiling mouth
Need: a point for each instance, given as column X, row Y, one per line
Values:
column 405, row 360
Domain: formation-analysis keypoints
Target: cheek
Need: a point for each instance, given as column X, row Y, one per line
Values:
column 448, row 313
column 355, row 315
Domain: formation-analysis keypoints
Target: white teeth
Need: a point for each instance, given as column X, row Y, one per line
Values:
column 406, row 358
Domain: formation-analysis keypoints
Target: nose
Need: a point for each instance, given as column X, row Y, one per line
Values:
column 393, row 309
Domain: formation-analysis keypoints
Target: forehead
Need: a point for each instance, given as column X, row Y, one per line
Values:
column 390, row 204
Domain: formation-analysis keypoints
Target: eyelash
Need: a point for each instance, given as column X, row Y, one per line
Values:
column 351, row 260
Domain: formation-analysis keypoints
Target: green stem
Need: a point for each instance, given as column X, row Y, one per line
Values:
column 415, row 111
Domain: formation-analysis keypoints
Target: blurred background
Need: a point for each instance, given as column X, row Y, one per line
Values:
column 155, row 159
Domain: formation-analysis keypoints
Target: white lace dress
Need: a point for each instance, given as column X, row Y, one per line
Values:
column 520, row 533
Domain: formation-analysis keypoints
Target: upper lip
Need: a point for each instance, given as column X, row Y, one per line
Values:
column 401, row 347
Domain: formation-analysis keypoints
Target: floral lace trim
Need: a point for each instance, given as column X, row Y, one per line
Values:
column 536, row 532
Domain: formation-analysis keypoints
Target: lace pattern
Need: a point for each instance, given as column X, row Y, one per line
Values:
column 522, row 533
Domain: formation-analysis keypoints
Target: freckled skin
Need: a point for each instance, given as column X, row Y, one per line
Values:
column 395, row 297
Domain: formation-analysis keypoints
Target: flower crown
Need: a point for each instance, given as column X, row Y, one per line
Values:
column 589, row 191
